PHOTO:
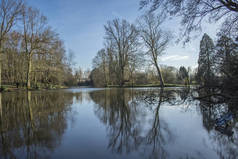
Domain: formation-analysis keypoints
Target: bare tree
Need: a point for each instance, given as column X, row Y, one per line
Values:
column 124, row 39
column 13, row 64
column 36, row 33
column 193, row 12
column 100, row 61
column 32, row 51
column 112, row 63
column 136, row 62
column 155, row 40
column 9, row 12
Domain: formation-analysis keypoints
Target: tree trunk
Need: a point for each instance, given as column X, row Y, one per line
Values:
column 1, row 121
column 0, row 108
column 160, row 75
column 29, row 72
column 105, row 75
column 0, row 70
column 1, row 58
column 122, row 77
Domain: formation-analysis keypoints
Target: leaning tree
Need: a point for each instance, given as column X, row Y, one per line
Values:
column 155, row 40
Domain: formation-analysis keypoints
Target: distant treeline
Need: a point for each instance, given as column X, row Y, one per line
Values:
column 32, row 55
column 131, row 56
column 131, row 53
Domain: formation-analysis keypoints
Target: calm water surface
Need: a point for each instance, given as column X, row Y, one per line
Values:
column 91, row 123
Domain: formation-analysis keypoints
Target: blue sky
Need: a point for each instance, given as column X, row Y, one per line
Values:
column 80, row 25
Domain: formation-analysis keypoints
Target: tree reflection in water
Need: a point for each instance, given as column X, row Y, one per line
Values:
column 114, row 111
column 32, row 123
column 125, row 112
column 212, row 108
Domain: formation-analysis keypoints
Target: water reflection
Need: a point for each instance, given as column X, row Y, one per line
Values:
column 133, row 120
column 136, row 123
column 216, row 107
column 114, row 111
column 32, row 123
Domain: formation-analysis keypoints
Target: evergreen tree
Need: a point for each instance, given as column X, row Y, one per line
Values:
column 206, row 73
column 225, row 49
column 226, row 61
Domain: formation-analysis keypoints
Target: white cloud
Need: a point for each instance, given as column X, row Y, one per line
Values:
column 174, row 58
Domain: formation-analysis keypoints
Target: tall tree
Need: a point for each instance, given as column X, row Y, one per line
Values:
column 227, row 61
column 36, row 34
column 9, row 12
column 155, row 39
column 205, row 73
column 124, row 39
column 225, row 48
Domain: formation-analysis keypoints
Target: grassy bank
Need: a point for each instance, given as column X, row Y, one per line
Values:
column 10, row 88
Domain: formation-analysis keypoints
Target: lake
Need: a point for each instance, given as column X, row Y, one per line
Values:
column 90, row 123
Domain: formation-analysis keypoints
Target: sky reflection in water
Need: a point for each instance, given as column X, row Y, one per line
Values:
column 112, row 123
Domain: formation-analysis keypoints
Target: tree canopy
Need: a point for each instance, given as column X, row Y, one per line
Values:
column 194, row 12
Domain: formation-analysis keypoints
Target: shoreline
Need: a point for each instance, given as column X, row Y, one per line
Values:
column 11, row 88
column 150, row 85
